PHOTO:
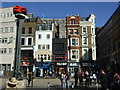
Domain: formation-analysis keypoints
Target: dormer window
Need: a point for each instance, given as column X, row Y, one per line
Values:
column 73, row 21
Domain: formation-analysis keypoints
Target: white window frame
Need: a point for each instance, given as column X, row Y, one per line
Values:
column 77, row 54
column 10, row 50
column 83, row 28
column 48, row 36
column 70, row 31
column 83, row 40
column 11, row 29
column 83, row 53
column 24, row 41
column 40, row 36
column 76, row 43
column 31, row 40
column 76, row 30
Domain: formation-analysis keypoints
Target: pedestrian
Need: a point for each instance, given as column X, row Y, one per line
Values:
column 103, row 80
column 116, row 82
column 90, row 78
column 48, row 86
column 87, row 78
column 80, row 78
column 30, row 77
column 72, row 86
column 76, row 78
column 94, row 77
column 12, row 83
column 64, row 80
column 61, row 79
column 68, row 79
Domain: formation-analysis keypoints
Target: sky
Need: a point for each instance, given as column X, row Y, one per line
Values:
column 102, row 10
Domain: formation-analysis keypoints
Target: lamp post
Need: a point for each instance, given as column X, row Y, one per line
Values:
column 20, row 14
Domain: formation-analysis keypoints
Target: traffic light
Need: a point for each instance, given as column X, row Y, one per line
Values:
column 20, row 12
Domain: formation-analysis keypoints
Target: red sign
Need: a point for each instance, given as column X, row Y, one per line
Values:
column 19, row 9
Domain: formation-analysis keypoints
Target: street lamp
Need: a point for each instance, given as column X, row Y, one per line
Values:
column 20, row 14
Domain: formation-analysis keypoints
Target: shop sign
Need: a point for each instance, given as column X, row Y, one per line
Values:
column 73, row 64
column 61, row 64
column 85, row 64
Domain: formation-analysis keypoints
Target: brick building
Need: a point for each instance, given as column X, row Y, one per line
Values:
column 80, row 34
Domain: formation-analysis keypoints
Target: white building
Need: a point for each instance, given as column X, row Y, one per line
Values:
column 43, row 45
column 43, row 42
column 88, row 37
column 7, row 38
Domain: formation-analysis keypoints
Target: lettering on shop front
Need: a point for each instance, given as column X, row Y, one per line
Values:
column 61, row 64
column 73, row 64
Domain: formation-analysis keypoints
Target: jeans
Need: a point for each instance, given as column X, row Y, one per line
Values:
column 68, row 83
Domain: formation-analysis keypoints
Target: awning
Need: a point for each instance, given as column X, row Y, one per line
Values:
column 45, row 64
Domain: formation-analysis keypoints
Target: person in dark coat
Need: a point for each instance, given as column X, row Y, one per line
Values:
column 76, row 78
column 116, row 81
column 103, row 80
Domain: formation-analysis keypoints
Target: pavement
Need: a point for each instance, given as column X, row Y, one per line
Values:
column 43, row 84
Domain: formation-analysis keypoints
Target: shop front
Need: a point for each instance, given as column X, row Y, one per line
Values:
column 73, row 67
column 42, row 69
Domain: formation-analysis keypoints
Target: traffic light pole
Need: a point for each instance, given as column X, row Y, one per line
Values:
column 18, row 48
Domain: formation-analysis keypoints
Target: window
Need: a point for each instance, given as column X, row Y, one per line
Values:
column 48, row 47
column 0, row 40
column 1, row 30
column 23, row 30
column 74, row 41
column 8, row 66
column 29, row 41
column 4, row 50
column 11, row 13
column 75, row 31
column 39, row 36
column 48, row 57
column 39, row 46
column 45, row 57
column 7, row 14
column 10, row 50
column 6, row 29
column 84, row 30
column 85, row 54
column 48, row 36
column 4, row 40
column 30, row 30
column 70, row 31
column 11, row 29
column 43, row 46
column 74, row 54
column 85, row 41
column 73, row 21
column 23, row 41
column 3, row 67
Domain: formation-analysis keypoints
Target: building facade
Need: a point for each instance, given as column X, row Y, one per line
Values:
column 108, row 43
column 80, row 34
column 7, row 38
column 28, row 41
column 60, row 25
column 43, row 46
